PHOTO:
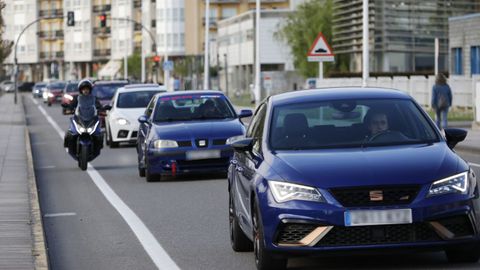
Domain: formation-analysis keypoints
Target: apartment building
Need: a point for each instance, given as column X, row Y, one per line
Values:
column 402, row 33
column 464, row 45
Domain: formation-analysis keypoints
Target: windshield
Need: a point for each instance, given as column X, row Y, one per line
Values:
column 72, row 87
column 39, row 85
column 349, row 123
column 57, row 86
column 106, row 91
column 193, row 107
column 138, row 99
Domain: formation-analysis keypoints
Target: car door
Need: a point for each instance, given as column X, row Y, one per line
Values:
column 144, row 129
column 246, row 166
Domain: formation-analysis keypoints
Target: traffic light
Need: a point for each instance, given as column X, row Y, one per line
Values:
column 70, row 18
column 156, row 59
column 103, row 20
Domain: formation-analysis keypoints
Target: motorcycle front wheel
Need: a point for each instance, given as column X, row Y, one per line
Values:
column 83, row 157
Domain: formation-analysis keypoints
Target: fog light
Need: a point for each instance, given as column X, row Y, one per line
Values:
column 122, row 134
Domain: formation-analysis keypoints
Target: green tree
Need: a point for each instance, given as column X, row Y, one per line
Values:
column 134, row 65
column 5, row 45
column 300, row 30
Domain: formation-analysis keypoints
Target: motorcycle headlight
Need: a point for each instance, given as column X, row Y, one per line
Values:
column 81, row 129
column 67, row 96
column 89, row 130
column 453, row 184
column 284, row 192
column 165, row 144
column 122, row 121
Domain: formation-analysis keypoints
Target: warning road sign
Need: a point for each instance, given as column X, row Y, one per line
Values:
column 320, row 51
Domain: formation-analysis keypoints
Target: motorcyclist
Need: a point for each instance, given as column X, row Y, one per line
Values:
column 85, row 106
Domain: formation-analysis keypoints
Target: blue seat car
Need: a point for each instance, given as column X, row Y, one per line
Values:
column 186, row 132
column 350, row 169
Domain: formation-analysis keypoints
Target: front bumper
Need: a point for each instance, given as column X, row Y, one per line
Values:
column 175, row 162
column 124, row 133
column 301, row 227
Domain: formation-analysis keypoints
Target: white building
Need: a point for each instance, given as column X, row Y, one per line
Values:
column 236, row 42
column 170, row 27
column 17, row 15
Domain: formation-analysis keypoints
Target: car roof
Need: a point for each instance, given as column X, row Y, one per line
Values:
column 140, row 87
column 190, row 92
column 110, row 82
column 336, row 93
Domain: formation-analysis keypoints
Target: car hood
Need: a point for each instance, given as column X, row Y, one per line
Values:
column 224, row 128
column 413, row 164
column 131, row 115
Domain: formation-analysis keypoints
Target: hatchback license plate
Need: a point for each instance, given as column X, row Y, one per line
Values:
column 378, row 217
column 202, row 154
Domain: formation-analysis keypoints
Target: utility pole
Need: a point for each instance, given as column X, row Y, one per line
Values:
column 207, row 47
column 226, row 73
column 365, row 72
column 257, row 54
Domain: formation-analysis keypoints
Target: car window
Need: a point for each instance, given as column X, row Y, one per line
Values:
column 106, row 91
column 71, row 87
column 257, row 128
column 193, row 107
column 138, row 99
column 149, row 110
column 349, row 123
column 56, row 85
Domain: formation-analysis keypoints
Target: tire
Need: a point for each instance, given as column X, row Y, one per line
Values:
column 112, row 143
column 238, row 240
column 264, row 260
column 107, row 140
column 83, row 158
column 141, row 172
column 49, row 104
column 468, row 254
column 151, row 177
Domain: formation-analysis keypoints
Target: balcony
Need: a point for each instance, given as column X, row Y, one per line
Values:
column 51, row 35
column 50, row 13
column 102, row 31
column 137, row 3
column 224, row 1
column 101, row 8
column 101, row 52
column 51, row 55
column 137, row 27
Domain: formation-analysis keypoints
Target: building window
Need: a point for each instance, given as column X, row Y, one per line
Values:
column 160, row 15
column 175, row 40
column 475, row 59
column 182, row 10
column 228, row 12
column 161, row 40
column 174, row 14
column 457, row 61
column 169, row 40
column 182, row 40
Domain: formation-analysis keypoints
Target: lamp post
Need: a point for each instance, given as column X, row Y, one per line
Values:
column 226, row 73
column 207, row 43
column 257, row 54
column 365, row 52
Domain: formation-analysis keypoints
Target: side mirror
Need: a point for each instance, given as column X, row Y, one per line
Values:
column 107, row 107
column 143, row 119
column 454, row 136
column 245, row 113
column 242, row 145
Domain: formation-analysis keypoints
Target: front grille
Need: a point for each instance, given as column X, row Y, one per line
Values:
column 353, row 197
column 384, row 234
column 219, row 141
column 458, row 225
column 184, row 143
column 292, row 233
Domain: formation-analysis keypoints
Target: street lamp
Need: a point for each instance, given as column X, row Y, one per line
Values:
column 207, row 43
column 257, row 54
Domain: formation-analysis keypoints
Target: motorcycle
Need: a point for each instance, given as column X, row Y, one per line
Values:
column 84, row 140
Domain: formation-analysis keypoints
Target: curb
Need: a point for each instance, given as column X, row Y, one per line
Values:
column 39, row 249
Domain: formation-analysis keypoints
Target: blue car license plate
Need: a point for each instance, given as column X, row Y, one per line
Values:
column 377, row 217
column 202, row 154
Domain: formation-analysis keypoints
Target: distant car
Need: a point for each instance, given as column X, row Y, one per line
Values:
column 25, row 86
column 54, row 92
column 128, row 103
column 69, row 92
column 38, row 89
column 7, row 86
column 186, row 132
column 104, row 91
column 350, row 169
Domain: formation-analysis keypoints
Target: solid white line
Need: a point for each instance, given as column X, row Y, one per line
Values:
column 60, row 215
column 474, row 164
column 46, row 167
column 156, row 252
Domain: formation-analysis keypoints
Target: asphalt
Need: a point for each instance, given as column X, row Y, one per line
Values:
column 22, row 241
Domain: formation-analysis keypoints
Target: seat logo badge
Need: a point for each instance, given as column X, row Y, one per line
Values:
column 376, row 195
column 202, row 143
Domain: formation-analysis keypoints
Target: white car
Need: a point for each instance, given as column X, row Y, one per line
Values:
column 128, row 103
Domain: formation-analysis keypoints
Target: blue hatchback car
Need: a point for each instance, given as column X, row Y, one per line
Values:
column 186, row 132
column 357, row 169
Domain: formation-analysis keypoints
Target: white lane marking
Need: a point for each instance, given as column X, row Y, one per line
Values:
column 46, row 167
column 60, row 214
column 156, row 252
column 34, row 101
column 474, row 164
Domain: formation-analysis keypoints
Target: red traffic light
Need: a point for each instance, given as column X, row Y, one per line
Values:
column 103, row 20
column 156, row 58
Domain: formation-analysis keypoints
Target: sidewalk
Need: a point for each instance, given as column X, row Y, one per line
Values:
column 471, row 144
column 22, row 243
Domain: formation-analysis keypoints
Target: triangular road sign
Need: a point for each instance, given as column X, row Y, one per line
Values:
column 320, row 50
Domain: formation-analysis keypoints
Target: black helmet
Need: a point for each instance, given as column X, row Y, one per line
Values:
column 85, row 83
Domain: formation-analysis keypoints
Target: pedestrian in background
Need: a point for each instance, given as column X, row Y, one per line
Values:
column 441, row 100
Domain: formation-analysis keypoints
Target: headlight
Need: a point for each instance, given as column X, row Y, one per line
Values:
column 67, row 96
column 165, row 144
column 283, row 192
column 50, row 95
column 122, row 121
column 90, row 130
column 453, row 184
column 81, row 129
